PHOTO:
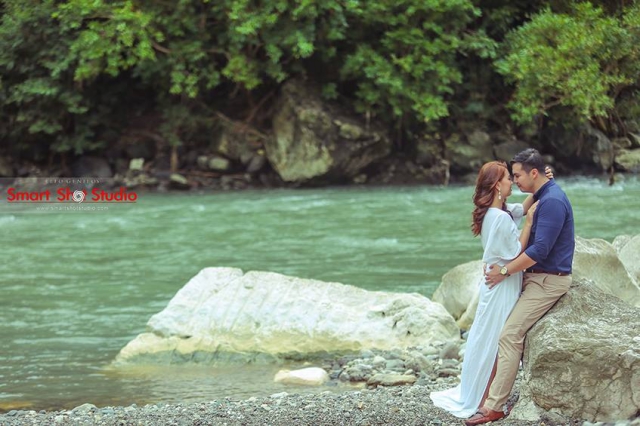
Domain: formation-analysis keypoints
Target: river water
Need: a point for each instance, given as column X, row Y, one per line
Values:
column 76, row 286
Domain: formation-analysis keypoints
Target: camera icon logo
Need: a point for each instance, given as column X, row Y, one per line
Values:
column 78, row 196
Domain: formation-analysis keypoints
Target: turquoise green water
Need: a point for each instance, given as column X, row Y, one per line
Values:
column 78, row 285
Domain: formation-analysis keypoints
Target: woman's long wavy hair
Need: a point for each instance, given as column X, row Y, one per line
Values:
column 489, row 175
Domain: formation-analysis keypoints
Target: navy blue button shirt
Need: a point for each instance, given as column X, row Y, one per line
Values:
column 552, row 240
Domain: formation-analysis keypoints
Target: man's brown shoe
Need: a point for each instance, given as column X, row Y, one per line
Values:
column 484, row 415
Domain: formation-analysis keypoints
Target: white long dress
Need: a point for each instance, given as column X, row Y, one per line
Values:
column 500, row 240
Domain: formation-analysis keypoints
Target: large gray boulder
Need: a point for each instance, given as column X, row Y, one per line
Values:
column 469, row 152
column 598, row 260
column 601, row 147
column 579, row 144
column 458, row 292
column 620, row 241
column 242, row 144
column 313, row 140
column 221, row 312
column 630, row 257
column 582, row 359
column 628, row 160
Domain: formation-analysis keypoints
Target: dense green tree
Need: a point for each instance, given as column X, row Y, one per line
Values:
column 582, row 59
column 51, row 55
column 404, row 55
column 399, row 55
column 72, row 71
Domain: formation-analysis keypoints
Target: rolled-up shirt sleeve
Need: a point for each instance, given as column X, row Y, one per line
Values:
column 551, row 214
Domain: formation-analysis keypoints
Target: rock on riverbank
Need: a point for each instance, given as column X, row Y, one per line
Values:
column 223, row 310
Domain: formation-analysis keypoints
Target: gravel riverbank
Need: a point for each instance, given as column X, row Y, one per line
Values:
column 347, row 400
column 402, row 405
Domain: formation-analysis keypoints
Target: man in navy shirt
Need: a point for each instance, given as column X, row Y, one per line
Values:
column 546, row 263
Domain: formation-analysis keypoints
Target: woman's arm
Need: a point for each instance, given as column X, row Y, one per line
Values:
column 526, row 230
column 524, row 236
column 527, row 203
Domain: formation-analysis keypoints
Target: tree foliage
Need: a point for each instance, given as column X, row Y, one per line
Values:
column 404, row 55
column 72, row 71
column 51, row 53
column 581, row 60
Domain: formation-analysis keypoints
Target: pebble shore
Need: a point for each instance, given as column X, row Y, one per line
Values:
column 431, row 369
column 401, row 405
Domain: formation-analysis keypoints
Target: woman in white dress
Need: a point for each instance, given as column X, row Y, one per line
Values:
column 497, row 224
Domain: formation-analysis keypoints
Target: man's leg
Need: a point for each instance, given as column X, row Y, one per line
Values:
column 540, row 293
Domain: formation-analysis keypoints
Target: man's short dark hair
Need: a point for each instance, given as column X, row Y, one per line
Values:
column 530, row 159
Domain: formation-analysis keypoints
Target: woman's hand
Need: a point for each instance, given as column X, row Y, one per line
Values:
column 548, row 172
column 530, row 213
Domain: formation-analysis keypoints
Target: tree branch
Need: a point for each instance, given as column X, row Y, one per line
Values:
column 161, row 48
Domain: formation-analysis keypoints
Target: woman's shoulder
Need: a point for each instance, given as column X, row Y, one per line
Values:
column 497, row 212
column 498, row 217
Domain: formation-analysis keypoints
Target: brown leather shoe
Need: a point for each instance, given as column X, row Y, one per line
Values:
column 484, row 415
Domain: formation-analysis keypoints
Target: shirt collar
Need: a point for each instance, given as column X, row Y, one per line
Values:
column 544, row 188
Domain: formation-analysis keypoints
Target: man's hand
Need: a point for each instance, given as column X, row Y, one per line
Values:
column 493, row 277
column 548, row 172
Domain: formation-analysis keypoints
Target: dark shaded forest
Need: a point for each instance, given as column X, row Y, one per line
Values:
column 198, row 86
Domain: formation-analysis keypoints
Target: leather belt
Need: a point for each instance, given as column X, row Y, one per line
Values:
column 540, row 271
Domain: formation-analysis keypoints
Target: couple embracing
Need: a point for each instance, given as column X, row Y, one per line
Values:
column 525, row 275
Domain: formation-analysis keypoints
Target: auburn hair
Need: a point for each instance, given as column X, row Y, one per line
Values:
column 489, row 175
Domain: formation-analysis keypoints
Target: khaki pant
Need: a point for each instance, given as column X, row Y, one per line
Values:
column 539, row 293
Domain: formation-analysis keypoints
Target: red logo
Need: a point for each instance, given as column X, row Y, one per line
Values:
column 67, row 195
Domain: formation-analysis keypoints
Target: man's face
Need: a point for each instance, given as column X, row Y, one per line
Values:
column 523, row 179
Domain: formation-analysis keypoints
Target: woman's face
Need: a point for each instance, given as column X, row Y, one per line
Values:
column 505, row 185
